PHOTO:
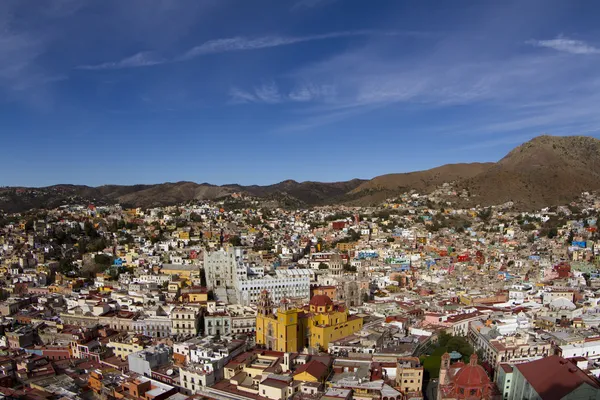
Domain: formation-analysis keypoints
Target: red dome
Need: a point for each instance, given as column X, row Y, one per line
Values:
column 321, row 300
column 471, row 376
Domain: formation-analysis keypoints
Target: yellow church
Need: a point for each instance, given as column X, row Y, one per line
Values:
column 292, row 329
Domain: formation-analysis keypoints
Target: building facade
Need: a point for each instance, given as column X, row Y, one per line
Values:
column 292, row 329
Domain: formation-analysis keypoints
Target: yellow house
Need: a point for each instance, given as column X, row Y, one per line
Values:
column 194, row 295
column 126, row 346
column 312, row 371
column 346, row 246
column 182, row 270
column 174, row 286
column 184, row 235
column 54, row 289
column 409, row 374
column 293, row 329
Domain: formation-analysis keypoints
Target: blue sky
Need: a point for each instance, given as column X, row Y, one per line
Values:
column 255, row 92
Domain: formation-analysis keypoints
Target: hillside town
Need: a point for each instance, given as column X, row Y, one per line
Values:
column 237, row 299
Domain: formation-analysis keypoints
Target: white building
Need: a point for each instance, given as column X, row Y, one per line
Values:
column 227, row 275
column 589, row 349
column 293, row 283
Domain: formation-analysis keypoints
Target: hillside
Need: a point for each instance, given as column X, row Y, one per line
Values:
column 385, row 186
column 544, row 171
column 307, row 192
column 547, row 170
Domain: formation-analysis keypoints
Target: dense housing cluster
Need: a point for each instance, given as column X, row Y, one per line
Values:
column 236, row 299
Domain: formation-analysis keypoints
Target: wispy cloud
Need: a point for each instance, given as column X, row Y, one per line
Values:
column 141, row 59
column 21, row 77
column 307, row 91
column 243, row 44
column 566, row 45
column 239, row 96
column 270, row 93
column 227, row 45
column 533, row 92
column 300, row 4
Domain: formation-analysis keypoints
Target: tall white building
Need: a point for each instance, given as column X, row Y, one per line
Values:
column 291, row 284
column 227, row 275
column 224, row 267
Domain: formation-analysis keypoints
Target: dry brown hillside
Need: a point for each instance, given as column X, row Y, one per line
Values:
column 423, row 180
column 547, row 170
column 544, row 171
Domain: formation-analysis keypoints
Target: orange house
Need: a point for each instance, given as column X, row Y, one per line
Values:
column 328, row 291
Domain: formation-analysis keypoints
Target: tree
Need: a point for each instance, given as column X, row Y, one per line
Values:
column 29, row 225
column 485, row 214
column 354, row 236
column 323, row 266
column 365, row 297
column 235, row 241
column 66, row 266
column 103, row 259
column 89, row 230
column 195, row 217
column 202, row 277
column 349, row 268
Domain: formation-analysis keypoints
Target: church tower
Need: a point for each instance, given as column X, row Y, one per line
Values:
column 265, row 304
column 287, row 326
column 444, row 369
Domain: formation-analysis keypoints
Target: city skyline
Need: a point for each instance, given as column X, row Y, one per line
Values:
column 312, row 90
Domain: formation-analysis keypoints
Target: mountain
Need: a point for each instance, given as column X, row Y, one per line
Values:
column 172, row 193
column 384, row 186
column 287, row 193
column 547, row 170
column 307, row 192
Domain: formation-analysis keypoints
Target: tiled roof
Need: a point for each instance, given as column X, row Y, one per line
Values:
column 314, row 368
column 559, row 377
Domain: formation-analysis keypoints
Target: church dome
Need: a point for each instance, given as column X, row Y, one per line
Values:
column 321, row 300
column 471, row 375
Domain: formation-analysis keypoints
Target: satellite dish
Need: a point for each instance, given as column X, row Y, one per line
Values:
column 169, row 372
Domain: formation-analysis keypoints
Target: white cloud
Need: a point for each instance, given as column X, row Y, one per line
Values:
column 309, row 91
column 240, row 96
column 528, row 92
column 22, row 77
column 268, row 93
column 227, row 45
column 566, row 45
column 141, row 59
column 241, row 43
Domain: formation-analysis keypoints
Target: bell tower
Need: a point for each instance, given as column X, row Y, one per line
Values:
column 444, row 369
column 265, row 304
column 287, row 321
